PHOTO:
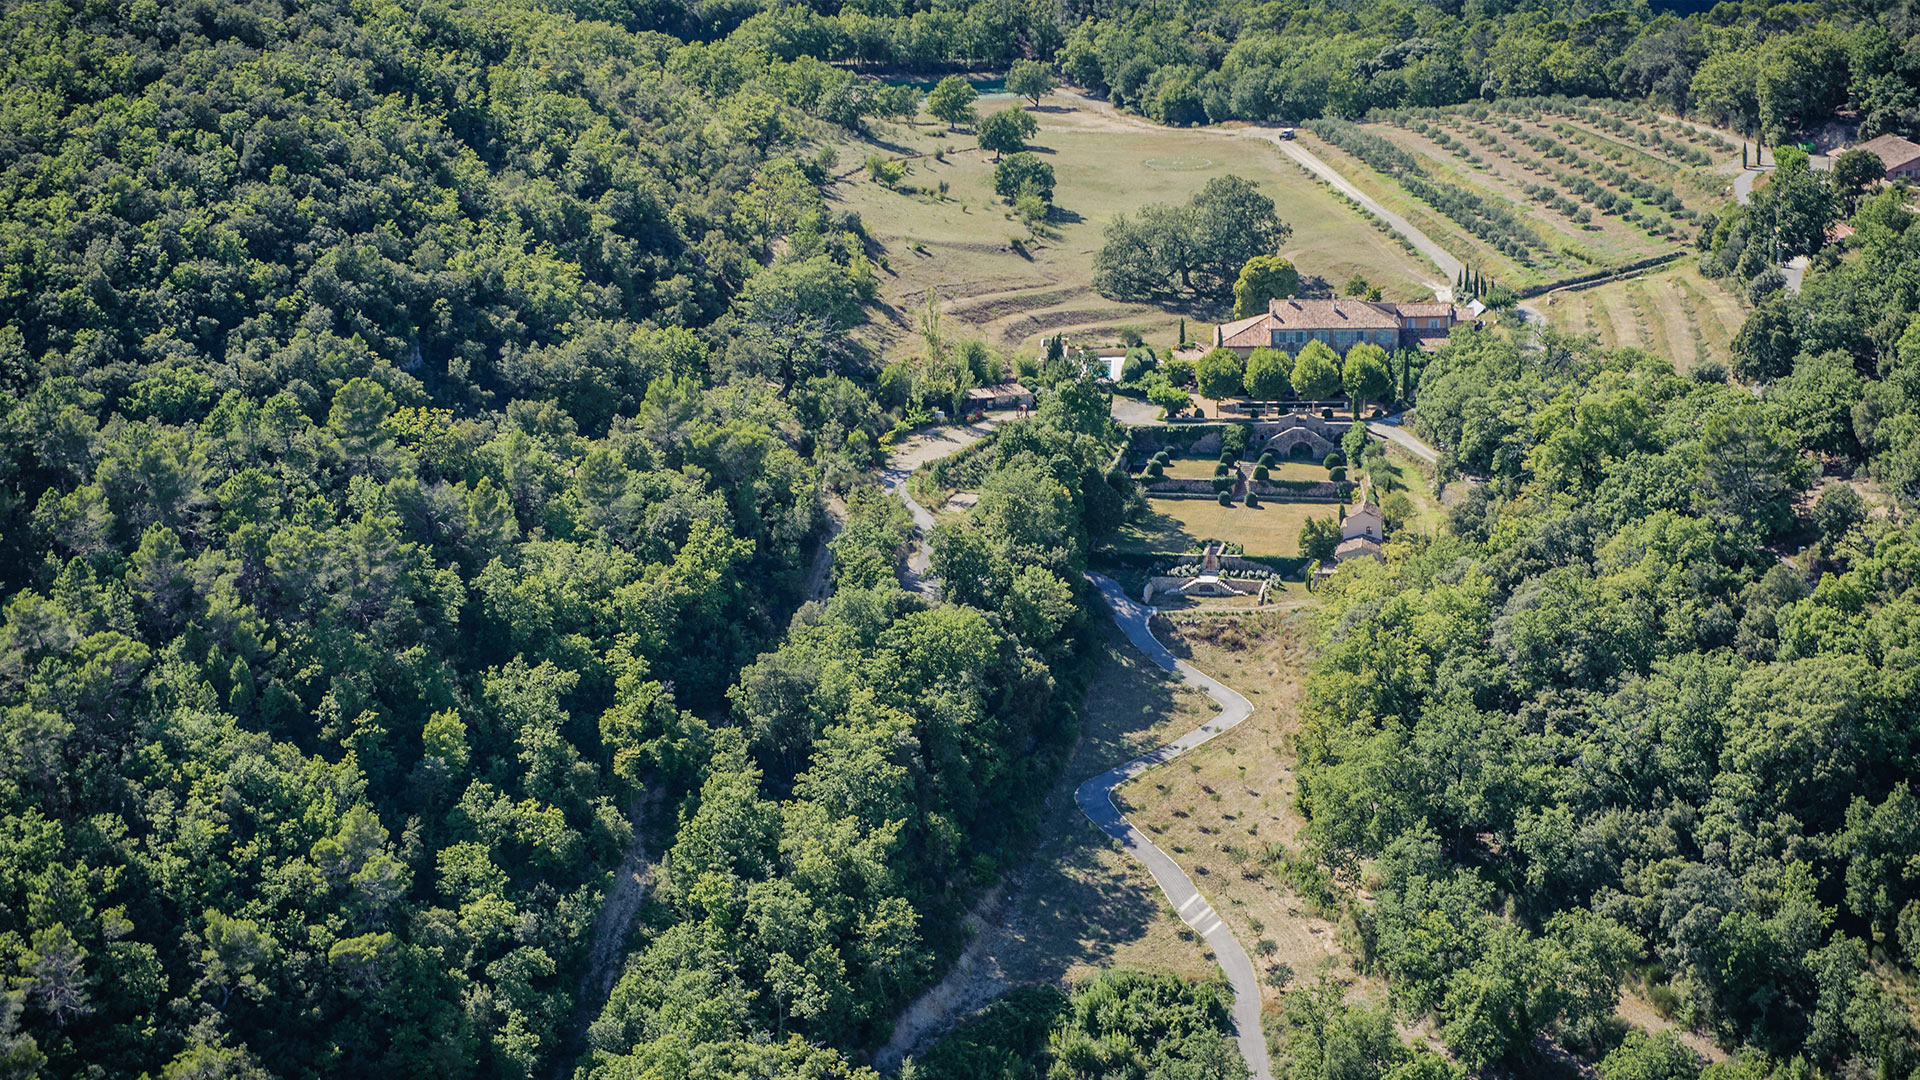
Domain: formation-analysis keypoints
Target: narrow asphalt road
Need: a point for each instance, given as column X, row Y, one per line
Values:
column 1448, row 265
column 1095, row 798
column 1401, row 437
column 1795, row 271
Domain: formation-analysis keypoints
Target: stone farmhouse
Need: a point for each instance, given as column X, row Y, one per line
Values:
column 1898, row 156
column 1362, row 530
column 1290, row 323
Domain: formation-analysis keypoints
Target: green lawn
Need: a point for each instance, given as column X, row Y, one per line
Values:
column 1270, row 529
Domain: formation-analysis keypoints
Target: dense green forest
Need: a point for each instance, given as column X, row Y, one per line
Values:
column 1762, row 67
column 418, row 425
column 1598, row 730
column 417, row 419
column 1772, row 68
column 1120, row 1023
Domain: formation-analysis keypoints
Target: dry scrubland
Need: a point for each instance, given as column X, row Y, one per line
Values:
column 958, row 245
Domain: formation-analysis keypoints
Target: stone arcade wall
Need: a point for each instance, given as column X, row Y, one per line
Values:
column 1204, row 439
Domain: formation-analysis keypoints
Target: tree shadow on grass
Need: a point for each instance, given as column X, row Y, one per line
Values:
column 1157, row 532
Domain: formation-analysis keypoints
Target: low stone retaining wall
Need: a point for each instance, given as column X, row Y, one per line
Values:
column 1181, row 486
column 1324, row 491
column 1168, row 585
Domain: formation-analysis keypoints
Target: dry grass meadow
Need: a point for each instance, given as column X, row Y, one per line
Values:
column 1225, row 810
column 957, row 246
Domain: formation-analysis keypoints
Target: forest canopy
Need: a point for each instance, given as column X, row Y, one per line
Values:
column 420, row 421
column 417, row 423
column 1598, row 730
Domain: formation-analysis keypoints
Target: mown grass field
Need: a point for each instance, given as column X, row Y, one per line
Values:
column 957, row 246
column 1270, row 529
column 1673, row 311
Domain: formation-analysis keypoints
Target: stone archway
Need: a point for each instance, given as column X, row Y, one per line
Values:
column 1287, row 442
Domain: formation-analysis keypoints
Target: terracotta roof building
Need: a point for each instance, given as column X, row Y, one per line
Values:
column 1366, row 522
column 1358, row 548
column 1290, row 323
column 1898, row 156
column 1363, row 529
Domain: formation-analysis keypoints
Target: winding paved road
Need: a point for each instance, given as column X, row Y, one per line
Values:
column 1095, row 798
column 1425, row 244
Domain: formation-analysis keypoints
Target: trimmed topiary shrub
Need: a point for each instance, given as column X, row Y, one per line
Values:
column 1337, row 474
column 1221, row 469
column 1260, row 473
column 1335, row 460
column 1154, row 471
column 1266, row 457
column 1226, row 498
column 1252, row 499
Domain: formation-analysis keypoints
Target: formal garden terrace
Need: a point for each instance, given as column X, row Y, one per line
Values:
column 1242, row 490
